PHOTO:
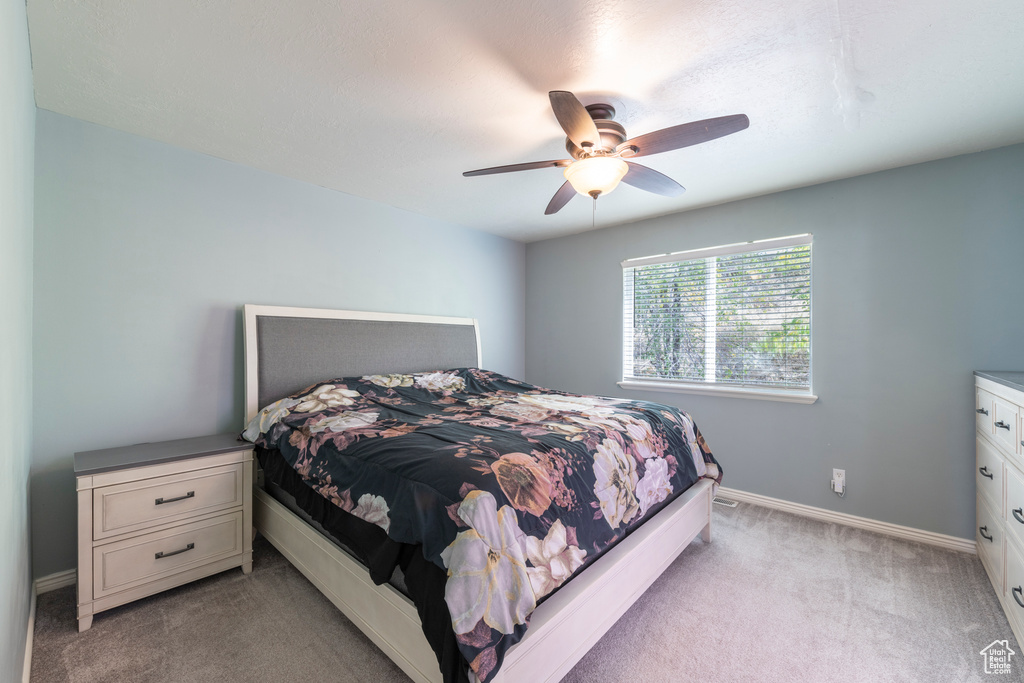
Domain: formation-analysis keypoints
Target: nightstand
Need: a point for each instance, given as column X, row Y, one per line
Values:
column 157, row 515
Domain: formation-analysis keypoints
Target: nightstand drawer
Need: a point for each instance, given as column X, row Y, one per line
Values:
column 146, row 503
column 125, row 564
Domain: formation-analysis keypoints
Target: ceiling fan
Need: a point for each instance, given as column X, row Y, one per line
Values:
column 599, row 150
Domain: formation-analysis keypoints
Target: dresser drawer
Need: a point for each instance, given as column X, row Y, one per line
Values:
column 989, row 536
column 125, row 564
column 983, row 411
column 146, row 503
column 1004, row 424
column 1014, row 503
column 988, row 474
column 1015, row 583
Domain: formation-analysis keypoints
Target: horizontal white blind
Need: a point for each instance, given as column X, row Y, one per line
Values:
column 733, row 318
column 737, row 248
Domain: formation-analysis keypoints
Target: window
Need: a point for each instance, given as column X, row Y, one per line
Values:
column 732, row 320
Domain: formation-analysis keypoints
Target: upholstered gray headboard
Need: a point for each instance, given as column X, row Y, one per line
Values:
column 287, row 349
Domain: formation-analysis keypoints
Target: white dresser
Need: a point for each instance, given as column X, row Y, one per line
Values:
column 999, row 477
column 157, row 515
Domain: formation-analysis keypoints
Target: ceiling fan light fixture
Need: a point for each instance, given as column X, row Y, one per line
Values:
column 597, row 143
column 596, row 175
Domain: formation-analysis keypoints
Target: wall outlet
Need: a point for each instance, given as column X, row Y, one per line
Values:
column 839, row 481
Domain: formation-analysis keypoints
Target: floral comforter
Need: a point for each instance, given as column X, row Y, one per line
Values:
column 509, row 488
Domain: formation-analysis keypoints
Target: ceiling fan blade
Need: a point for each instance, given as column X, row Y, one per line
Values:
column 685, row 134
column 648, row 179
column 573, row 118
column 560, row 163
column 561, row 198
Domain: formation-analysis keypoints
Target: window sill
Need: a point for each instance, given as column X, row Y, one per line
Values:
column 730, row 392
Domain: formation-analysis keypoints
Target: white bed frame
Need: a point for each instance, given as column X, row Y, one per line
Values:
column 562, row 629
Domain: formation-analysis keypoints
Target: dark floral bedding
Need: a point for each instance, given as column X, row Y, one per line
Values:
column 508, row 488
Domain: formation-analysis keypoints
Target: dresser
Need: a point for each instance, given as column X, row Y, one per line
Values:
column 999, row 478
column 157, row 515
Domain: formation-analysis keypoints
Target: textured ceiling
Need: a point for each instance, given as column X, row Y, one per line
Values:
column 393, row 100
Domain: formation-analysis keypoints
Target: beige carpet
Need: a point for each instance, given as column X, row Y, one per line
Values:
column 774, row 597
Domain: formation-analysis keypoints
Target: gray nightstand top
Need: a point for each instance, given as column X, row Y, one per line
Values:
column 1014, row 380
column 109, row 459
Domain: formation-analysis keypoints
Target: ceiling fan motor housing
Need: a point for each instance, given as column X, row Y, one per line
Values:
column 612, row 133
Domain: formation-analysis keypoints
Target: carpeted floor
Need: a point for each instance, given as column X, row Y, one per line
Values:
column 774, row 597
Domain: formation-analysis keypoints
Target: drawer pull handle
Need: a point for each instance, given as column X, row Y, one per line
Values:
column 981, row 530
column 183, row 550
column 985, row 473
column 981, row 411
column 1003, row 425
column 1016, row 593
column 161, row 501
column 1017, row 515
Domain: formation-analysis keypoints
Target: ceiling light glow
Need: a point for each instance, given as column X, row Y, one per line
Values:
column 595, row 176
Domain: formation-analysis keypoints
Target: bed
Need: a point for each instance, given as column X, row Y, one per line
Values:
column 290, row 349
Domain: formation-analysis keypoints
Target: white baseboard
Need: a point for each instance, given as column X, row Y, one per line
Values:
column 26, row 668
column 51, row 582
column 43, row 584
column 965, row 545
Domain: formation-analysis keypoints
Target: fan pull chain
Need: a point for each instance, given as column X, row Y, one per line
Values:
column 593, row 214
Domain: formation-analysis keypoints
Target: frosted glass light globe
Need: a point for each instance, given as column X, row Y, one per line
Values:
column 596, row 175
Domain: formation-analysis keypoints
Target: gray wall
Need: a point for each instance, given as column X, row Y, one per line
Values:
column 144, row 255
column 918, row 278
column 17, row 133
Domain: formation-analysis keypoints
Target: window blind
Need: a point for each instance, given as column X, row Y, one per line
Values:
column 737, row 315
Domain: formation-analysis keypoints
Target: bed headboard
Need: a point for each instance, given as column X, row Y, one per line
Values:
column 287, row 349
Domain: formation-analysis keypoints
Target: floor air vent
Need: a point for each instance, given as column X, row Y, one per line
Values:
column 725, row 501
